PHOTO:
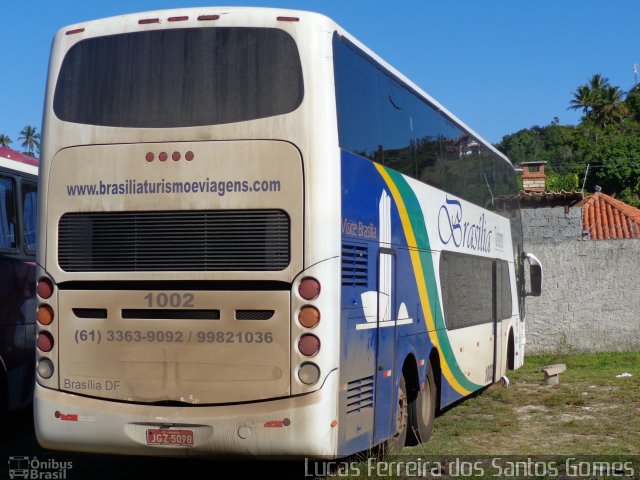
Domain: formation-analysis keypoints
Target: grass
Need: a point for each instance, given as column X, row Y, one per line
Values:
column 591, row 414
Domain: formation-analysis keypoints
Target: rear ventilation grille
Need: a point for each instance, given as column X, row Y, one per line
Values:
column 162, row 314
column 254, row 314
column 359, row 395
column 213, row 240
column 355, row 265
column 90, row 312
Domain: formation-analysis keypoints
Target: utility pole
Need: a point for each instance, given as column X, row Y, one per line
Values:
column 585, row 178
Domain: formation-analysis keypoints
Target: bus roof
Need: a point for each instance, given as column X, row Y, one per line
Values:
column 259, row 15
column 18, row 161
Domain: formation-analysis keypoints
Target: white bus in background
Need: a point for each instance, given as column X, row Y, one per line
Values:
column 258, row 238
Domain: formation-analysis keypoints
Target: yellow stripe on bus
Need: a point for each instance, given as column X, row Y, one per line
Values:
column 420, row 279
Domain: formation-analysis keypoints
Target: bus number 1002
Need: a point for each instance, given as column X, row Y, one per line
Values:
column 173, row 300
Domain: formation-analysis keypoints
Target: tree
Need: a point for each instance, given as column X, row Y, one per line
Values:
column 5, row 141
column 30, row 139
column 583, row 98
column 610, row 107
column 600, row 102
column 619, row 156
column 633, row 102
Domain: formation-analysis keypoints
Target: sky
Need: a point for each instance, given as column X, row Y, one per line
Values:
column 498, row 65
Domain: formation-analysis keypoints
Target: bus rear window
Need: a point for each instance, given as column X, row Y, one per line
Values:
column 179, row 78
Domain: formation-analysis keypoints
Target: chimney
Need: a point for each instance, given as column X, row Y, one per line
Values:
column 533, row 176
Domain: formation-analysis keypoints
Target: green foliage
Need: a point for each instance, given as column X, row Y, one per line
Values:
column 620, row 172
column 562, row 183
column 607, row 139
column 5, row 141
column 30, row 139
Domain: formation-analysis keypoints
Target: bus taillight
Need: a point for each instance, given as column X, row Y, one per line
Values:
column 309, row 316
column 45, row 288
column 45, row 342
column 309, row 345
column 45, row 368
column 309, row 288
column 45, row 315
column 309, row 373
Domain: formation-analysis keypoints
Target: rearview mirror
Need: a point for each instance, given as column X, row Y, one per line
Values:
column 535, row 275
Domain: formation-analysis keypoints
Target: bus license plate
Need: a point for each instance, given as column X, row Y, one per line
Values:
column 183, row 438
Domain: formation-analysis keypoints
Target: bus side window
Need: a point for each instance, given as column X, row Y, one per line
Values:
column 29, row 215
column 7, row 213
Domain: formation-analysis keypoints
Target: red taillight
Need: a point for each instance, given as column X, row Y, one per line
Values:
column 309, row 345
column 176, row 156
column 45, row 315
column 44, row 288
column 309, row 316
column 309, row 288
column 45, row 342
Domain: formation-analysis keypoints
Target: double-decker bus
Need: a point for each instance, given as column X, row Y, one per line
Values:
column 258, row 238
column 18, row 206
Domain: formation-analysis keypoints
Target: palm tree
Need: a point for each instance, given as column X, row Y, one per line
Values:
column 30, row 139
column 586, row 97
column 600, row 101
column 598, row 83
column 5, row 140
column 610, row 107
column 582, row 99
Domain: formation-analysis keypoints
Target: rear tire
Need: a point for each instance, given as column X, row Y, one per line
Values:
column 396, row 443
column 422, row 410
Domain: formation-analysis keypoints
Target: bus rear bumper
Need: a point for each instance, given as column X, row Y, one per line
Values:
column 295, row 427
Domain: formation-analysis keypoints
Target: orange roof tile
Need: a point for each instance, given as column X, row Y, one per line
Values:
column 604, row 218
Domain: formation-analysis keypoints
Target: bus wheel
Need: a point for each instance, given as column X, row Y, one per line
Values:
column 396, row 443
column 422, row 410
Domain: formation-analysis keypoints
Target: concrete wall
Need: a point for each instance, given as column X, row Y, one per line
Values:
column 551, row 224
column 591, row 294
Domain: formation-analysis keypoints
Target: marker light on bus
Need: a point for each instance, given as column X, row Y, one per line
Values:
column 288, row 19
column 149, row 157
column 188, row 156
column 44, row 288
column 73, row 32
column 309, row 345
column 45, row 315
column 176, row 156
column 309, row 373
column 208, row 17
column 163, row 156
column 45, row 368
column 309, row 316
column 178, row 19
column 309, row 288
column 45, row 342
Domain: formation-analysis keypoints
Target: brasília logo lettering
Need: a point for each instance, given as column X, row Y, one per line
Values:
column 453, row 228
column 449, row 219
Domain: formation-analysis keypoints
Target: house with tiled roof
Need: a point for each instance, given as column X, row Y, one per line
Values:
column 590, row 300
column 606, row 218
